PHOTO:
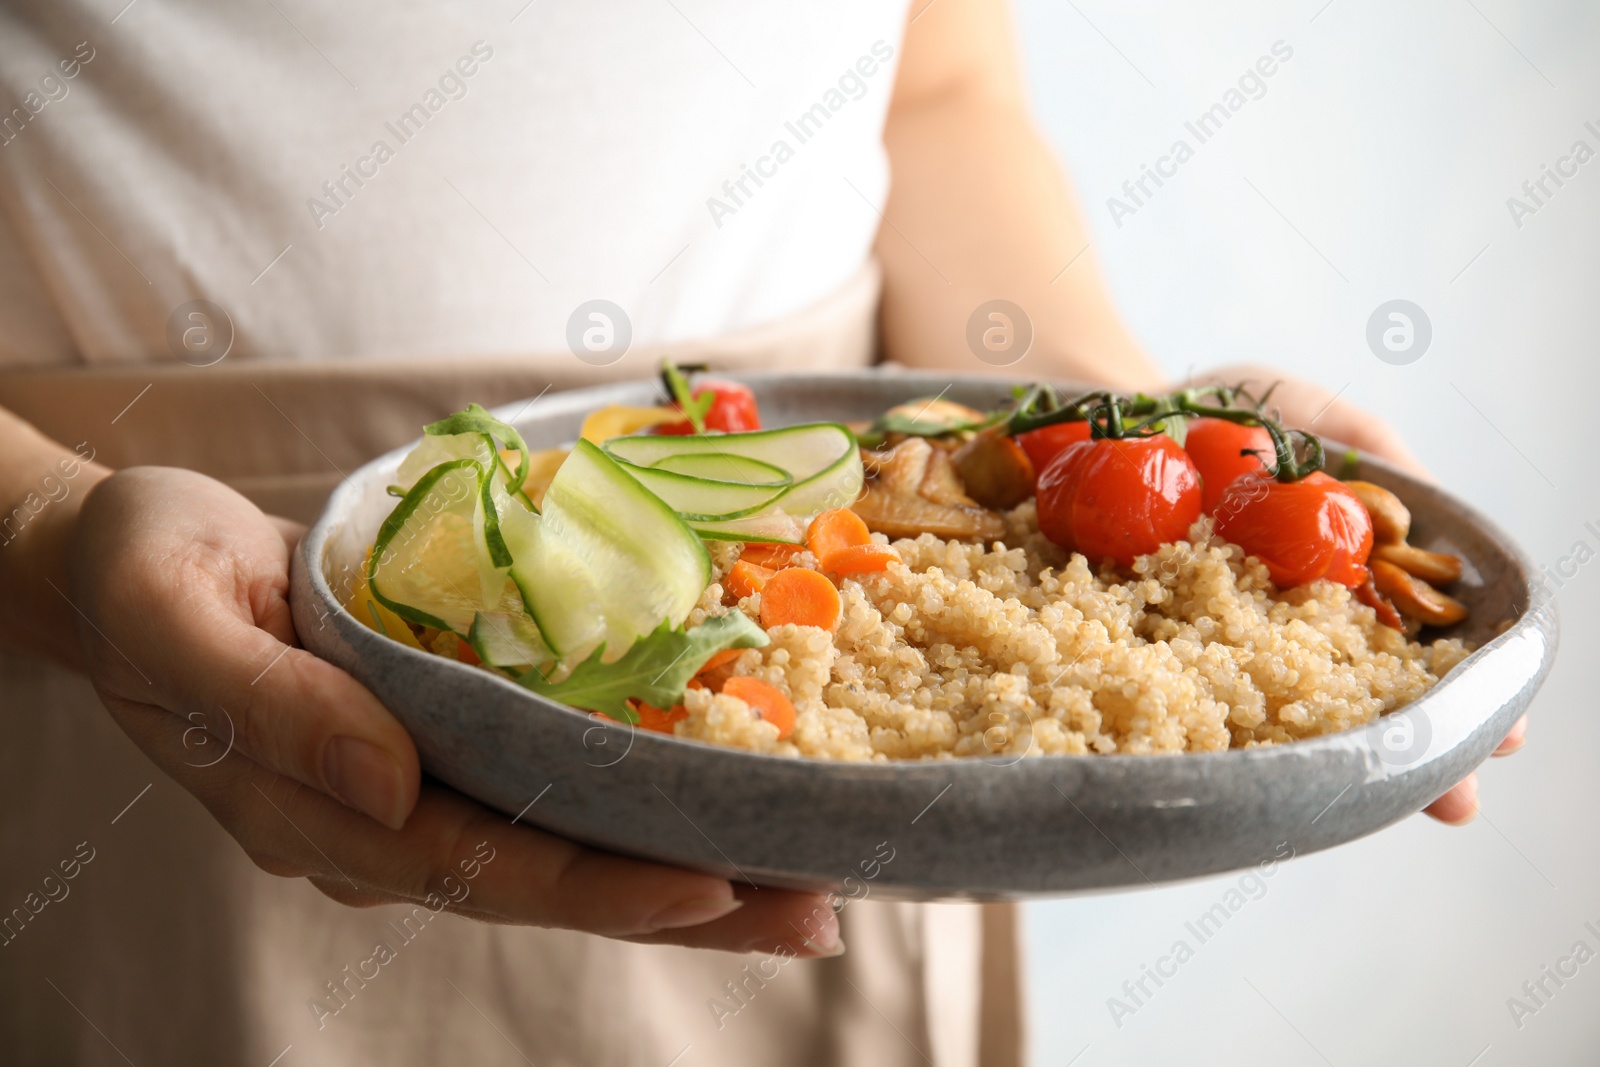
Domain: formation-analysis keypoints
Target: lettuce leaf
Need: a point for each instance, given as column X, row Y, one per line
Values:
column 655, row 670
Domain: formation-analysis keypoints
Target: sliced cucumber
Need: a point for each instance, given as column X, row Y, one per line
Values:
column 724, row 467
column 801, row 450
column 507, row 639
column 481, row 450
column 821, row 458
column 557, row 590
column 836, row 486
column 476, row 420
column 773, row 525
column 428, row 560
column 606, row 560
column 702, row 499
column 435, row 449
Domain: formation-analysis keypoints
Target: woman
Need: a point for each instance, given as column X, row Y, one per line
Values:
column 389, row 213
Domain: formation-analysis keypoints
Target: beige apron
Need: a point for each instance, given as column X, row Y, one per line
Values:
column 168, row 946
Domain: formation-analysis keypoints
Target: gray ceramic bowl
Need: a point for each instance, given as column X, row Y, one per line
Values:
column 972, row 828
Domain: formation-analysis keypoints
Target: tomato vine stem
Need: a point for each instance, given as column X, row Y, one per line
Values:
column 1109, row 416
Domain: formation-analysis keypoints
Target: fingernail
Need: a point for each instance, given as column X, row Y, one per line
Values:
column 827, row 944
column 824, row 942
column 1514, row 740
column 694, row 912
column 809, row 948
column 367, row 778
column 1470, row 793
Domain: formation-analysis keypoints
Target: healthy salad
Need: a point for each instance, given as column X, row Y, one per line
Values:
column 1099, row 573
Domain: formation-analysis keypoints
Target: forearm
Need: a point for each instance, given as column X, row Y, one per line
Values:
column 42, row 486
column 979, row 210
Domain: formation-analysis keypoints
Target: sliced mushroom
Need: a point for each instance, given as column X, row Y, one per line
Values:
column 901, row 470
column 1391, row 520
column 996, row 471
column 1368, row 594
column 908, row 515
column 914, row 488
column 1414, row 597
column 942, row 484
column 1435, row 568
column 1401, row 572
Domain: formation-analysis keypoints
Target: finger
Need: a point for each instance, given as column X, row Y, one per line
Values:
column 290, row 530
column 533, row 877
column 196, row 596
column 1458, row 806
column 465, row 857
column 307, row 719
column 771, row 920
column 1515, row 738
column 279, row 706
column 1325, row 413
column 342, row 892
column 1361, row 430
column 538, row 878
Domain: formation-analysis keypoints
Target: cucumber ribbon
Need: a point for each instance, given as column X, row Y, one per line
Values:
column 585, row 601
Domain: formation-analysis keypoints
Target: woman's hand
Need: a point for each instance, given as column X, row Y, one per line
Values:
column 1310, row 407
column 183, row 588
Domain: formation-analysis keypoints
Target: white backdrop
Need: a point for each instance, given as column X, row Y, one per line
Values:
column 1376, row 165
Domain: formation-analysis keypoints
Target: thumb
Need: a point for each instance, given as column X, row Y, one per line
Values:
column 1368, row 433
column 192, row 580
column 293, row 713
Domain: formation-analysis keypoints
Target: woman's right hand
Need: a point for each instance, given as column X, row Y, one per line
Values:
column 182, row 585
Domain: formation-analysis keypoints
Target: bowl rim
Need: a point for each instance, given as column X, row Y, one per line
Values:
column 1539, row 616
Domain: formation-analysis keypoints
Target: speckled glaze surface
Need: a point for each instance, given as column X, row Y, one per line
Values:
column 969, row 828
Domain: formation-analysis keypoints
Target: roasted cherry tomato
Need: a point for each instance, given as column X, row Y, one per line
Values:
column 1048, row 442
column 1119, row 499
column 733, row 409
column 1216, row 446
column 1305, row 530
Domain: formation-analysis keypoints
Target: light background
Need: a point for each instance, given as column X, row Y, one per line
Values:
column 1391, row 142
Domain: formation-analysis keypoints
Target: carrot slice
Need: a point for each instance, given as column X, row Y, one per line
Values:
column 746, row 578
column 716, row 670
column 860, row 559
column 770, row 556
column 767, row 700
column 834, row 529
column 653, row 718
column 718, row 659
column 800, row 596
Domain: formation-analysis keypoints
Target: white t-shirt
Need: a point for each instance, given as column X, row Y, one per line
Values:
column 368, row 180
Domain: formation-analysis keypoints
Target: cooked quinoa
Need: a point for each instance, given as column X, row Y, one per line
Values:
column 1018, row 648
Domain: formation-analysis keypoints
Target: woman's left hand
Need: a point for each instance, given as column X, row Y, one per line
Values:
column 1310, row 407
